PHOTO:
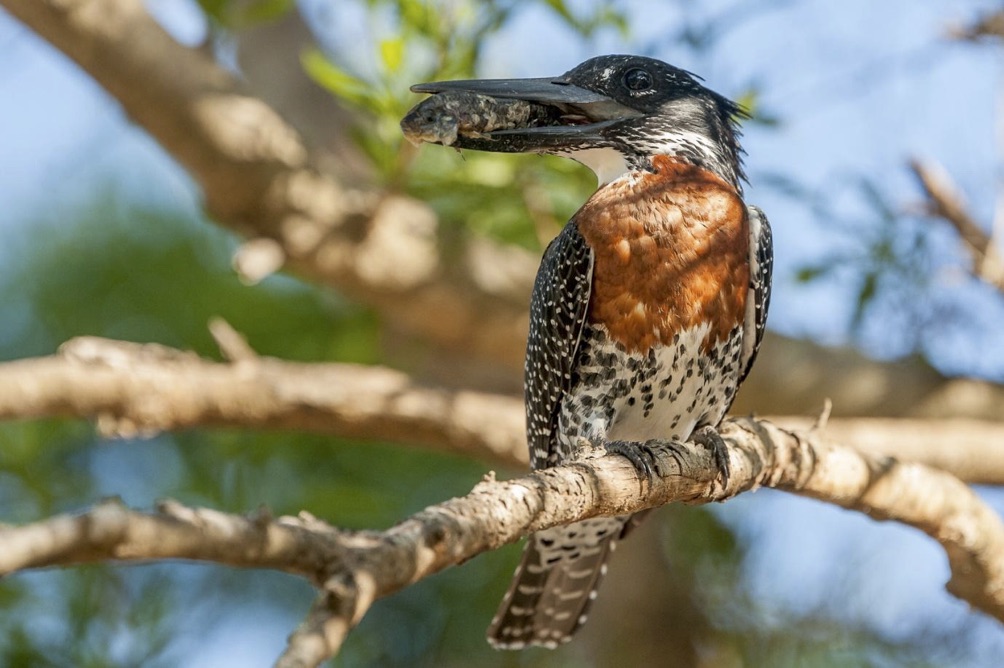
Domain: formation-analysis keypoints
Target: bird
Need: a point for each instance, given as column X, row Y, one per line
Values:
column 648, row 308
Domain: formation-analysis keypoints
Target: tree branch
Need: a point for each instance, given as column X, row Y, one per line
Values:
column 260, row 178
column 794, row 376
column 966, row 448
column 354, row 568
column 112, row 532
column 338, row 608
column 946, row 202
column 989, row 25
column 135, row 389
column 140, row 389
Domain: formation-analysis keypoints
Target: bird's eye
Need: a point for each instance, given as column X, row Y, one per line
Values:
column 637, row 79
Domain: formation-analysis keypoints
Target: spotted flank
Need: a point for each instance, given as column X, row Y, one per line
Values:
column 761, row 270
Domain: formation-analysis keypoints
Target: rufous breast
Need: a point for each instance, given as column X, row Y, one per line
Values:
column 671, row 253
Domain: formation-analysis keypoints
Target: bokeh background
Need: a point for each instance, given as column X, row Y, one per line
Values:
column 101, row 233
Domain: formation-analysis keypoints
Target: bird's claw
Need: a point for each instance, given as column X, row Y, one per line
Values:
column 640, row 455
column 709, row 437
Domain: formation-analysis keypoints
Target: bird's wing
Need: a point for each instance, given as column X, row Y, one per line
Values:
column 758, row 300
column 558, row 312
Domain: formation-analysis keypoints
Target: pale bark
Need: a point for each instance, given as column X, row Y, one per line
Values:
column 945, row 201
column 259, row 178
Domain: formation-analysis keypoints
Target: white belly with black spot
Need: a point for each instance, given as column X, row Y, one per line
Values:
column 665, row 394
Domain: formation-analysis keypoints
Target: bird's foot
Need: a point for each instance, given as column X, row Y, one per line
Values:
column 641, row 456
column 709, row 437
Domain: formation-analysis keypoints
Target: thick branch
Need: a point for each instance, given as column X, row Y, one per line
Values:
column 135, row 389
column 497, row 513
column 968, row 449
column 797, row 377
column 139, row 389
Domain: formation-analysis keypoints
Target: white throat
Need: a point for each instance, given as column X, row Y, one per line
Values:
column 607, row 163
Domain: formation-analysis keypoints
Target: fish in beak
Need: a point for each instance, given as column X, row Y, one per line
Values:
column 544, row 115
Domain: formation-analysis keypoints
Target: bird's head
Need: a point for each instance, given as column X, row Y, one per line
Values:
column 613, row 114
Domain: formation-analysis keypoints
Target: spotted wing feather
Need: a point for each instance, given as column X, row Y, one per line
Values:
column 558, row 310
column 550, row 592
column 758, row 300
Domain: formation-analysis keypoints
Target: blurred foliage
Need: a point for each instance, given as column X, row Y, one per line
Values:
column 113, row 266
column 229, row 15
column 905, row 275
column 121, row 270
column 889, row 253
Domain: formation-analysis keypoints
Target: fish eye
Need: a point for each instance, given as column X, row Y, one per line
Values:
column 637, row 79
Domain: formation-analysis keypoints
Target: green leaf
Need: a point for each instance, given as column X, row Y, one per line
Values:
column 239, row 15
column 424, row 18
column 392, row 53
column 749, row 100
column 263, row 11
column 810, row 273
column 562, row 10
column 334, row 78
column 869, row 288
column 215, row 9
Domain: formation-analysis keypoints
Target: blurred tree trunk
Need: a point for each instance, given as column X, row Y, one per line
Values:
column 269, row 55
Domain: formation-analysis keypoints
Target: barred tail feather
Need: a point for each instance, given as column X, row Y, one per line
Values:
column 555, row 584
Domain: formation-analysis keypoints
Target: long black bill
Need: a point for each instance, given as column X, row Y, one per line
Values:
column 579, row 114
column 547, row 90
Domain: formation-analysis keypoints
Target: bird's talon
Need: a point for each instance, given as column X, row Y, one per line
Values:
column 639, row 454
column 711, row 439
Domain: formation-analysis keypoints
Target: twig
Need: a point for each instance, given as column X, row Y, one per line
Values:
column 232, row 344
column 989, row 25
column 337, row 610
column 946, row 202
column 823, row 419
